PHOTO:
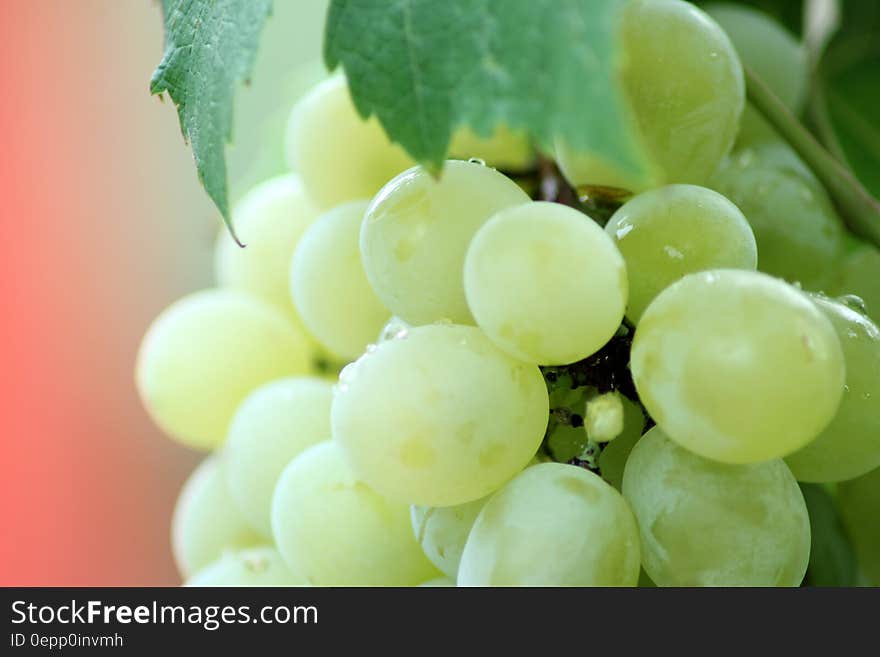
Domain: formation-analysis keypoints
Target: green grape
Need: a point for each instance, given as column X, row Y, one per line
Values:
column 334, row 530
column 675, row 230
column 273, row 425
column 545, row 283
column 768, row 49
column 737, row 366
column 684, row 85
column 552, row 525
column 202, row 356
column 705, row 523
column 505, row 148
column 416, row 232
column 439, row 417
column 443, row 530
column 798, row 234
column 858, row 272
column 773, row 54
column 438, row 581
column 850, row 445
column 340, row 156
column 269, row 220
column 329, row 286
column 612, row 460
column 859, row 500
column 206, row 523
column 259, row 566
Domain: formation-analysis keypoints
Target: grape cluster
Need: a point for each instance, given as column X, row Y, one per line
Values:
column 445, row 380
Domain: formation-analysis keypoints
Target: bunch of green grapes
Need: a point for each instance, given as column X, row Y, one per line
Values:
column 407, row 379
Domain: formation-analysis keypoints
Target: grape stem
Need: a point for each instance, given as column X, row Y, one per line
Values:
column 859, row 210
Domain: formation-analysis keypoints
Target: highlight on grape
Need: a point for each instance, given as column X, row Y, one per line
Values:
column 529, row 366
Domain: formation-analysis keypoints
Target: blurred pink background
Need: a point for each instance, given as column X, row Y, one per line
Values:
column 103, row 225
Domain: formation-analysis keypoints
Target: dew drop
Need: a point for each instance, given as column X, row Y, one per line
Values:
column 854, row 302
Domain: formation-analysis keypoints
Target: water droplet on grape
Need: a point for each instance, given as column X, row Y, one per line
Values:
column 477, row 160
column 854, row 302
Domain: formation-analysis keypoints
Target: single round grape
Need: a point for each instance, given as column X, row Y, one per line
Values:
column 850, row 445
column 274, row 424
column 329, row 286
column 545, row 283
column 269, row 220
column 202, row 356
column 259, row 566
column 612, row 460
column 206, row 523
column 504, row 148
column 443, row 530
column 684, row 84
column 798, row 234
column 439, row 417
column 705, row 523
column 438, row 582
column 675, row 230
column 416, row 232
column 859, row 500
column 768, row 49
column 334, row 530
column 552, row 525
column 737, row 366
column 340, row 156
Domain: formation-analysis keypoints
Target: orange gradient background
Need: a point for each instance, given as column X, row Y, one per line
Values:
column 103, row 225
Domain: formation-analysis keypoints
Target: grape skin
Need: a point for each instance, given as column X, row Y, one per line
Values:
column 438, row 582
column 552, row 525
column 858, row 272
column 504, row 148
column 545, row 283
column 206, row 523
column 275, row 423
column 269, row 220
column 705, row 523
column 859, row 500
column 439, row 417
column 442, row 532
column 773, row 54
column 675, row 230
column 798, row 233
column 259, row 566
column 684, row 84
column 339, row 155
column 329, row 285
column 417, row 230
column 202, row 356
column 767, row 48
column 850, row 445
column 332, row 529
column 737, row 366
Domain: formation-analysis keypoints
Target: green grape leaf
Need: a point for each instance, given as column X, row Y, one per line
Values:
column 832, row 559
column 209, row 49
column 850, row 74
column 547, row 67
